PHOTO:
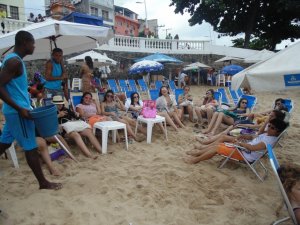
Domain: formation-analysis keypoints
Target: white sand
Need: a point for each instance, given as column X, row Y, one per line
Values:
column 149, row 184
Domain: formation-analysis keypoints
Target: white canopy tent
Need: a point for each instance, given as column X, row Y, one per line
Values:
column 280, row 72
column 260, row 56
column 196, row 66
column 98, row 59
column 71, row 37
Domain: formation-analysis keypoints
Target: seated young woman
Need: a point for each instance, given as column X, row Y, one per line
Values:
column 166, row 106
column 241, row 110
column 262, row 128
column 185, row 102
column 208, row 107
column 110, row 107
column 256, row 146
column 89, row 110
column 75, row 128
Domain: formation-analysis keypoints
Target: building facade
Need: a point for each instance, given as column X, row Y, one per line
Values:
column 103, row 8
column 126, row 22
column 152, row 27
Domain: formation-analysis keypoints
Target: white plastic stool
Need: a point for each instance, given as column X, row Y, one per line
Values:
column 76, row 84
column 13, row 155
column 107, row 126
column 150, row 123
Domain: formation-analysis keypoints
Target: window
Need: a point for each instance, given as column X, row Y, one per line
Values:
column 105, row 15
column 14, row 12
column 3, row 11
column 94, row 11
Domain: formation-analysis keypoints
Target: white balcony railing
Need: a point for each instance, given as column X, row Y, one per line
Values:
column 12, row 25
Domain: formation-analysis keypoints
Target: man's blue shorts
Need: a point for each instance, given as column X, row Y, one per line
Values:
column 20, row 129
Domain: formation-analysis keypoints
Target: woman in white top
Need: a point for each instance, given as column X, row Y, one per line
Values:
column 167, row 107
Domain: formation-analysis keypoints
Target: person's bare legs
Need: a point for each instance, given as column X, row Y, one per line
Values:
column 211, row 124
column 43, row 149
column 79, row 142
column 213, row 138
column 222, row 118
column 181, row 112
column 221, row 139
column 168, row 120
column 206, row 154
column 133, row 122
column 129, row 129
column 53, row 140
column 190, row 112
column 196, row 152
column 89, row 134
column 176, row 118
column 209, row 114
column 199, row 115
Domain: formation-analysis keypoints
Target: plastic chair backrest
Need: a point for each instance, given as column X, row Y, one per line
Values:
column 142, row 85
column 47, row 101
column 113, row 85
column 75, row 101
column 154, row 94
column 272, row 156
column 224, row 95
column 122, row 83
column 251, row 101
column 234, row 96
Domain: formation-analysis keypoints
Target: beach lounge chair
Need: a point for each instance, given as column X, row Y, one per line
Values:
column 132, row 85
column 275, row 165
column 221, row 79
column 289, row 104
column 158, row 84
column 154, row 94
column 143, row 85
column 251, row 101
column 113, row 85
column 218, row 96
column 76, row 84
column 129, row 93
column 234, row 96
column 172, row 85
column 224, row 98
column 123, row 86
column 178, row 92
column 239, row 92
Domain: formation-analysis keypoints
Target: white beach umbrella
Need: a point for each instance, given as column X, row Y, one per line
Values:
column 280, row 72
column 229, row 58
column 98, row 59
column 70, row 37
column 195, row 66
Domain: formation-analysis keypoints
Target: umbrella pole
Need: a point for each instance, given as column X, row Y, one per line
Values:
column 198, row 77
column 65, row 149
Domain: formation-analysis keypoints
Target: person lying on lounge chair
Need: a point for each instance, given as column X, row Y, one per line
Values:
column 255, row 147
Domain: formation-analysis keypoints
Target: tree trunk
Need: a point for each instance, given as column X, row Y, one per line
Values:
column 250, row 25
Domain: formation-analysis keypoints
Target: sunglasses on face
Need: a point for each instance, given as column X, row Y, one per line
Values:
column 109, row 96
column 87, row 97
column 278, row 103
column 135, row 96
column 208, row 93
column 244, row 102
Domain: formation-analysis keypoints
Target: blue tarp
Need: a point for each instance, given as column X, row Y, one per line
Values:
column 77, row 17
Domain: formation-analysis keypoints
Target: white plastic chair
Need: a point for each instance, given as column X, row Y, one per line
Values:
column 221, row 79
column 105, row 127
column 76, row 84
column 150, row 123
column 13, row 155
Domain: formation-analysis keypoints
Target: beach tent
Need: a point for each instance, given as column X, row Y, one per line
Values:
column 260, row 56
column 196, row 66
column 98, row 59
column 71, row 37
column 280, row 72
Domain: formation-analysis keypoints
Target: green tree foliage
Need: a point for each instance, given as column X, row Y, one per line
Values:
column 269, row 20
column 256, row 44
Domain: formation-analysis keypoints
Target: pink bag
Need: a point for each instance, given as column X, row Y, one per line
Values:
column 149, row 109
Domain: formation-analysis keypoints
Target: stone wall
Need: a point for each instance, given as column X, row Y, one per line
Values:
column 125, row 60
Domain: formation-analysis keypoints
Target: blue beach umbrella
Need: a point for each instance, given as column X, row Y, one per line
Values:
column 145, row 66
column 158, row 57
column 231, row 69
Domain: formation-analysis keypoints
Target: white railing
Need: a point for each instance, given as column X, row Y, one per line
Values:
column 156, row 44
column 12, row 25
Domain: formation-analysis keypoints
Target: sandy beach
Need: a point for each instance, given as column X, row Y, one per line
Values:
column 150, row 184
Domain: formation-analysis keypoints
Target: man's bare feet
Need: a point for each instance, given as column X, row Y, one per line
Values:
column 192, row 152
column 190, row 160
column 51, row 186
column 199, row 146
column 205, row 131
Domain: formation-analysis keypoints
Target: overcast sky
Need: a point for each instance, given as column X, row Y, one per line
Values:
column 160, row 10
